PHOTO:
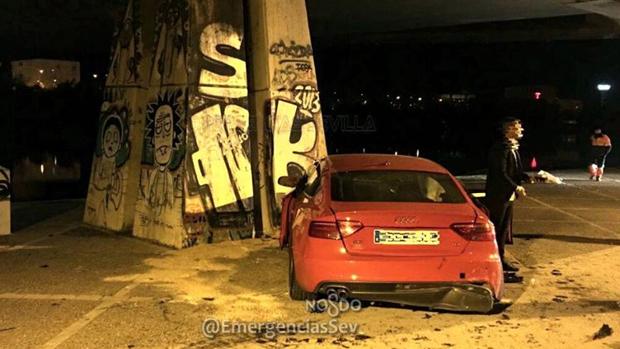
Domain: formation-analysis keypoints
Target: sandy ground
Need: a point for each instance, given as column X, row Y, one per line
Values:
column 66, row 286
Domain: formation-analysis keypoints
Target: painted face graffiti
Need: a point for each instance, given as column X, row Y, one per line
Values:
column 111, row 154
column 111, row 140
column 163, row 135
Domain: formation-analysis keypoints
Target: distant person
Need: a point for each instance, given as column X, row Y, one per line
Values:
column 601, row 146
column 503, row 186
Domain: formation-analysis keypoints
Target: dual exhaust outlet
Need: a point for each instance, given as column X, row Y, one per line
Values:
column 337, row 293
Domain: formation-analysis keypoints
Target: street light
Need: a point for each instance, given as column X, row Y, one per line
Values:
column 603, row 87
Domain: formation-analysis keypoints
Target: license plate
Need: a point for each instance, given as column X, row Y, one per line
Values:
column 413, row 237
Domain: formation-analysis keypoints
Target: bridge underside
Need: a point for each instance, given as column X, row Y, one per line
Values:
column 447, row 21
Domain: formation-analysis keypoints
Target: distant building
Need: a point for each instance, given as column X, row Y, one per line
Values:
column 456, row 98
column 45, row 73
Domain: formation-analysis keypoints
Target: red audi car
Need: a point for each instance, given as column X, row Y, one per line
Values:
column 389, row 228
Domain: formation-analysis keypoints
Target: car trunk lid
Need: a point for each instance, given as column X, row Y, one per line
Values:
column 404, row 229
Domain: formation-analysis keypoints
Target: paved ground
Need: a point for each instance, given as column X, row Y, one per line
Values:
column 66, row 286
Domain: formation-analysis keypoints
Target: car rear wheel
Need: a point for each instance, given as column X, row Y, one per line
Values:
column 294, row 290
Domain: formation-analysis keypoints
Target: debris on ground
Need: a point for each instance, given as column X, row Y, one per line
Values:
column 604, row 331
column 339, row 341
column 546, row 177
column 556, row 272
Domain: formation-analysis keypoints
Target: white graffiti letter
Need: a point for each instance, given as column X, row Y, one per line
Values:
column 213, row 37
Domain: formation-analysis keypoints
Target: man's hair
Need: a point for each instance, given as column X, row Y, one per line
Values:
column 505, row 123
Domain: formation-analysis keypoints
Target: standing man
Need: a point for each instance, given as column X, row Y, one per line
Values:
column 601, row 146
column 503, row 185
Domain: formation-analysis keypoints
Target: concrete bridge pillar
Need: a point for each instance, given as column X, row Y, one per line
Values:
column 187, row 149
column 5, row 201
column 284, row 97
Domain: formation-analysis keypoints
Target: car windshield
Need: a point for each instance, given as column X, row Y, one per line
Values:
column 394, row 186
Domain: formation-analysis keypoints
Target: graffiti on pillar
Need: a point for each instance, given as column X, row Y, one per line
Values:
column 296, row 121
column 127, row 53
column 162, row 181
column 5, row 204
column 110, row 202
column 219, row 160
column 163, row 151
column 291, row 50
column 295, row 137
column 172, row 33
column 111, row 153
column 5, row 184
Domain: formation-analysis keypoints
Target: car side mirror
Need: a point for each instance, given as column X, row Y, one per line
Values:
column 289, row 181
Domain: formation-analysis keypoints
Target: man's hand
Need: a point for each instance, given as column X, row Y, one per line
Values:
column 520, row 191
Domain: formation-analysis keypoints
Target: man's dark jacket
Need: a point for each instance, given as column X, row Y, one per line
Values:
column 504, row 175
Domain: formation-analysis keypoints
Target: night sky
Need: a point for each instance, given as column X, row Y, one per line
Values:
column 65, row 29
column 358, row 57
column 82, row 30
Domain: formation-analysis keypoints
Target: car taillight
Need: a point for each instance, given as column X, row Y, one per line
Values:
column 475, row 231
column 349, row 227
column 324, row 230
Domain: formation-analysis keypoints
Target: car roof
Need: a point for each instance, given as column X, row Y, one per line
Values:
column 357, row 162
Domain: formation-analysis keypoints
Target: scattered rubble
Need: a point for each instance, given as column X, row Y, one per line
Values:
column 604, row 331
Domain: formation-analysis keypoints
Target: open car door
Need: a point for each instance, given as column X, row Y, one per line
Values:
column 284, row 219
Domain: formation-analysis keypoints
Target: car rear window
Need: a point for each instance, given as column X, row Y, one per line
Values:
column 394, row 186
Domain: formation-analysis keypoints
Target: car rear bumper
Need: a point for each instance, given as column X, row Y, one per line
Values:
column 324, row 261
column 445, row 296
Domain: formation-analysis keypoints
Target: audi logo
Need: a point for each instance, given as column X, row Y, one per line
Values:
column 405, row 220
